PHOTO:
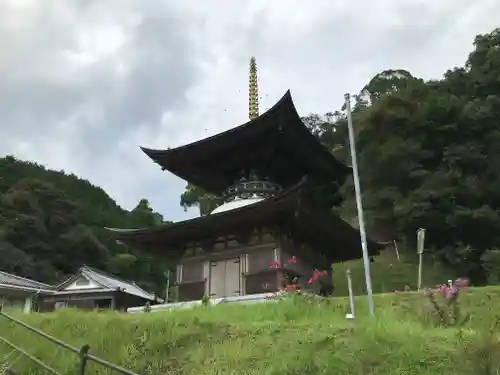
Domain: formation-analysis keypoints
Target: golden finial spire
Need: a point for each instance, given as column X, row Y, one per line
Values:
column 253, row 98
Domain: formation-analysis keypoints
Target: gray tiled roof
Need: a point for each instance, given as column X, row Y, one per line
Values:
column 10, row 279
column 107, row 281
column 113, row 282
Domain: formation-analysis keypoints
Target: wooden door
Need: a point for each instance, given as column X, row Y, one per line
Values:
column 217, row 279
column 233, row 277
column 225, row 278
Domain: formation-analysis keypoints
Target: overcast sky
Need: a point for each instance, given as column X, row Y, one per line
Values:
column 85, row 82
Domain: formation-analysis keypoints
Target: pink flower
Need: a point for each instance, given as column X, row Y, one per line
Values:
column 450, row 291
column 429, row 293
column 442, row 289
column 275, row 264
column 291, row 287
column 462, row 282
column 315, row 274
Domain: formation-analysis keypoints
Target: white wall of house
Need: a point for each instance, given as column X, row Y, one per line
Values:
column 16, row 303
column 82, row 283
column 28, row 305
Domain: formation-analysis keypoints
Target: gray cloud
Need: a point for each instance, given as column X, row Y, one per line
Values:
column 85, row 82
column 97, row 77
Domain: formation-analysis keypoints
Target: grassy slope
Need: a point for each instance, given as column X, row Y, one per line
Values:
column 290, row 337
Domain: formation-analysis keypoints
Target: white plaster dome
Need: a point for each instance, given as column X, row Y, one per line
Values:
column 237, row 203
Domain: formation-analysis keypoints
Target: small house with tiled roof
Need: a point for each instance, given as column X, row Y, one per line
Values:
column 88, row 288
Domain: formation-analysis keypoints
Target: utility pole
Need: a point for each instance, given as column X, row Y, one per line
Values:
column 359, row 204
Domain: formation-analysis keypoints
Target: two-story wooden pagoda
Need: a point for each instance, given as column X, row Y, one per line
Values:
column 278, row 184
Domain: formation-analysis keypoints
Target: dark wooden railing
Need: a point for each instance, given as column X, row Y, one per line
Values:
column 82, row 352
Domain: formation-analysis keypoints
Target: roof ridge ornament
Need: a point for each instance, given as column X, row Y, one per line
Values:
column 253, row 88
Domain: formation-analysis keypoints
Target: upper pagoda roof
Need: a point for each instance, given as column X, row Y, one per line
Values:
column 276, row 144
column 323, row 231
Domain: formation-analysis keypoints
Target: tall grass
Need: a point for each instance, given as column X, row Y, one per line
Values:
column 294, row 336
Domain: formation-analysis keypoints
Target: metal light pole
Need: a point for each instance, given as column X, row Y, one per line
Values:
column 359, row 204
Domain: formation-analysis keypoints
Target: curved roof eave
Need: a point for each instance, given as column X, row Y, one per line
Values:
column 283, row 118
column 26, row 288
column 285, row 102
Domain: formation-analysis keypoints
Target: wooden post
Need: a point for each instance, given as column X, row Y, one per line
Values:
column 167, row 275
column 420, row 251
column 352, row 314
column 83, row 358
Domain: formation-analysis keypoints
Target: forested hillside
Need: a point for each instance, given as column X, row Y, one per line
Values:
column 428, row 158
column 51, row 223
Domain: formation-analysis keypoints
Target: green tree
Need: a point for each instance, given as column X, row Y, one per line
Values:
column 428, row 156
column 194, row 196
column 51, row 223
column 123, row 264
column 144, row 215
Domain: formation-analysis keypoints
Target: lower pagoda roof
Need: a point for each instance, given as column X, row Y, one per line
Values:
column 292, row 211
